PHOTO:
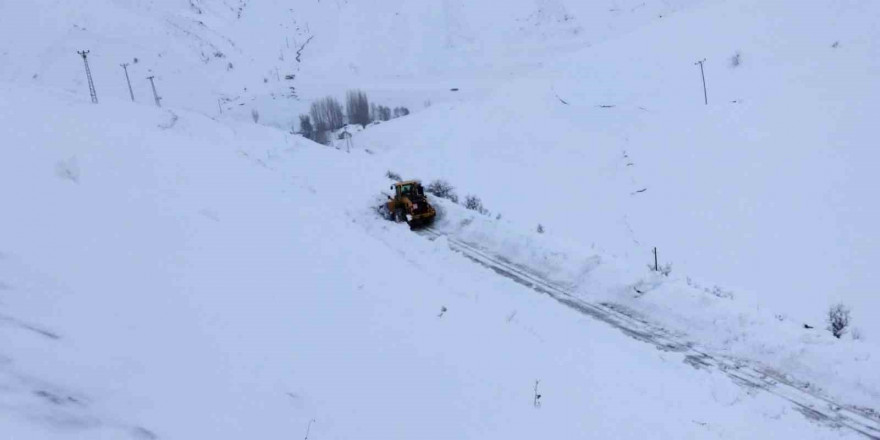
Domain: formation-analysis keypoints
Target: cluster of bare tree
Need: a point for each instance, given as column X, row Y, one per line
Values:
column 326, row 115
column 382, row 113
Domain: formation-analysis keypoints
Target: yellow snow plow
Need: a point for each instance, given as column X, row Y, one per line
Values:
column 409, row 204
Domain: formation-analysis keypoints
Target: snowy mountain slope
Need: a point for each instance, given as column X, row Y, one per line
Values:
column 276, row 56
column 766, row 191
column 194, row 279
column 165, row 274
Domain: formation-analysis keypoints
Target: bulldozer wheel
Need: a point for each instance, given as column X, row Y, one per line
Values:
column 384, row 212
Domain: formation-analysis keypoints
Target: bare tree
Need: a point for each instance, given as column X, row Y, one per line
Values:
column 305, row 127
column 474, row 203
column 334, row 111
column 357, row 107
column 384, row 113
column 316, row 111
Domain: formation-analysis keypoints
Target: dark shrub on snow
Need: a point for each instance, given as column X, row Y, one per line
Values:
column 474, row 203
column 838, row 320
column 442, row 189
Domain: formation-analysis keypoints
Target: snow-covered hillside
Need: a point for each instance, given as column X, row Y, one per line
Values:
column 275, row 56
column 766, row 191
column 165, row 276
column 760, row 201
column 182, row 272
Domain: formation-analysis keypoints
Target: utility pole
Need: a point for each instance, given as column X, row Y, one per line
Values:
column 128, row 80
column 537, row 401
column 85, row 54
column 656, row 266
column 702, row 74
column 155, row 94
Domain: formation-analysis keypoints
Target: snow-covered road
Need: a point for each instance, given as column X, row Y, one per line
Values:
column 811, row 403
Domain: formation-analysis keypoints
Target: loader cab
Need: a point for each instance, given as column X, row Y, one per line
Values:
column 408, row 188
column 404, row 190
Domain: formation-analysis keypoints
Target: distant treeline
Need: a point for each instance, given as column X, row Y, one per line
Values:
column 326, row 115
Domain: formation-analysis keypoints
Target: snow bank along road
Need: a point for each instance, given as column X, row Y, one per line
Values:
column 810, row 403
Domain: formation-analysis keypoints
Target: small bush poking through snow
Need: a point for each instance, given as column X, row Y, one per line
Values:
column 540, row 228
column 838, row 320
column 474, row 203
column 736, row 60
column 255, row 115
column 714, row 291
column 719, row 292
column 442, row 189
column 68, row 169
column 393, row 176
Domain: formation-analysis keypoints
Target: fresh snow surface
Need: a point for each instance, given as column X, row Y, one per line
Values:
column 200, row 280
column 763, row 206
column 186, row 273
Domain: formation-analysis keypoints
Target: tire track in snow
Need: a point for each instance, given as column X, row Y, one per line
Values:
column 810, row 403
